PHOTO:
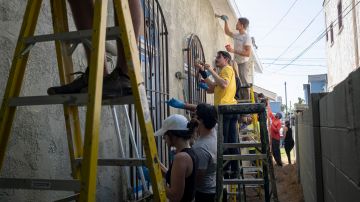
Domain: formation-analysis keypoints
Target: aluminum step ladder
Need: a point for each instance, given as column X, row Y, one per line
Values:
column 83, row 154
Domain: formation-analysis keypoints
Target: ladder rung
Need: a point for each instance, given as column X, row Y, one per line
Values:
column 74, row 197
column 252, row 169
column 244, row 101
column 241, row 109
column 247, row 131
column 40, row 184
column 232, row 193
column 244, row 157
column 66, row 99
column 243, row 181
column 117, row 162
column 241, row 145
column 111, row 34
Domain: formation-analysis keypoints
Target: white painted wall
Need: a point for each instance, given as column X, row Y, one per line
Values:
column 340, row 53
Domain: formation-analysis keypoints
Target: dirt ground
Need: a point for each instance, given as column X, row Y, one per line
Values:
column 288, row 188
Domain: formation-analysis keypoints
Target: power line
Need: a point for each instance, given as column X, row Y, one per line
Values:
column 281, row 19
column 301, row 33
column 335, row 22
column 285, row 59
column 304, row 65
column 237, row 8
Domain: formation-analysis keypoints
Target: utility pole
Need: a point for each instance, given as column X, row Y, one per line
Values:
column 286, row 107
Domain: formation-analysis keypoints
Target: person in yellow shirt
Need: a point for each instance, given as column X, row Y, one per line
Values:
column 224, row 88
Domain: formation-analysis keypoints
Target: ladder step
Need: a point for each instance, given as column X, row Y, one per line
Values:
column 40, row 184
column 243, row 181
column 74, row 197
column 117, row 162
column 244, row 101
column 244, row 157
column 247, row 131
column 251, row 170
column 241, row 109
column 111, row 34
column 80, row 99
column 242, row 144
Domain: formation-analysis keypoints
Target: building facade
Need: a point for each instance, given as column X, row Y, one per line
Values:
column 342, row 38
column 38, row 146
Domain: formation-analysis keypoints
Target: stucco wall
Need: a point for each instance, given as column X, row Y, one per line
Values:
column 38, row 146
column 191, row 17
column 341, row 53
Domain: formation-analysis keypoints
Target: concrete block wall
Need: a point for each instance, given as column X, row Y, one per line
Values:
column 340, row 137
column 309, row 150
column 336, row 155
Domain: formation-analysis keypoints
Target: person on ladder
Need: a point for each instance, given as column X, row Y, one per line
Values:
column 116, row 83
column 224, row 89
column 241, row 51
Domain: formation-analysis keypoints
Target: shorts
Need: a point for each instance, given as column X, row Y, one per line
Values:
column 244, row 73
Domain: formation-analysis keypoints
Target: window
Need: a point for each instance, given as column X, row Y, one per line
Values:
column 331, row 33
column 340, row 17
column 194, row 51
column 153, row 53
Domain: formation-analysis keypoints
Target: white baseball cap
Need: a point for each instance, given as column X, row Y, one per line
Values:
column 173, row 122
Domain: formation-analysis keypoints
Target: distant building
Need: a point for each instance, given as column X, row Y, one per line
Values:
column 275, row 107
column 268, row 94
column 318, row 83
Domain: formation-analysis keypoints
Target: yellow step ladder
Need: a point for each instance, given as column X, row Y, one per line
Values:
column 84, row 156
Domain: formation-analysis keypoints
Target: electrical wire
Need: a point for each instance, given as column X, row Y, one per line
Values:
column 237, row 8
column 301, row 33
column 281, row 19
column 335, row 22
column 305, row 65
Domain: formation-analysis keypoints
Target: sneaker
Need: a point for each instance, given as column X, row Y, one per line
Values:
column 114, row 85
column 74, row 87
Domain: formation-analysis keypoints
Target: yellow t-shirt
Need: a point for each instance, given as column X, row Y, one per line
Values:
column 226, row 95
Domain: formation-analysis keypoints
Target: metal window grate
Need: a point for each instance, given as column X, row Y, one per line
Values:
column 153, row 49
column 193, row 51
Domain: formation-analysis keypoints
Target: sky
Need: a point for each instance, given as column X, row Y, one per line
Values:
column 264, row 15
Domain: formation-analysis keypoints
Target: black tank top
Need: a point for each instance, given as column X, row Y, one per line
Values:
column 289, row 137
column 189, row 190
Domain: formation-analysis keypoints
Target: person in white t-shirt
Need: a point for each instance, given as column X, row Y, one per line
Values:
column 241, row 51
